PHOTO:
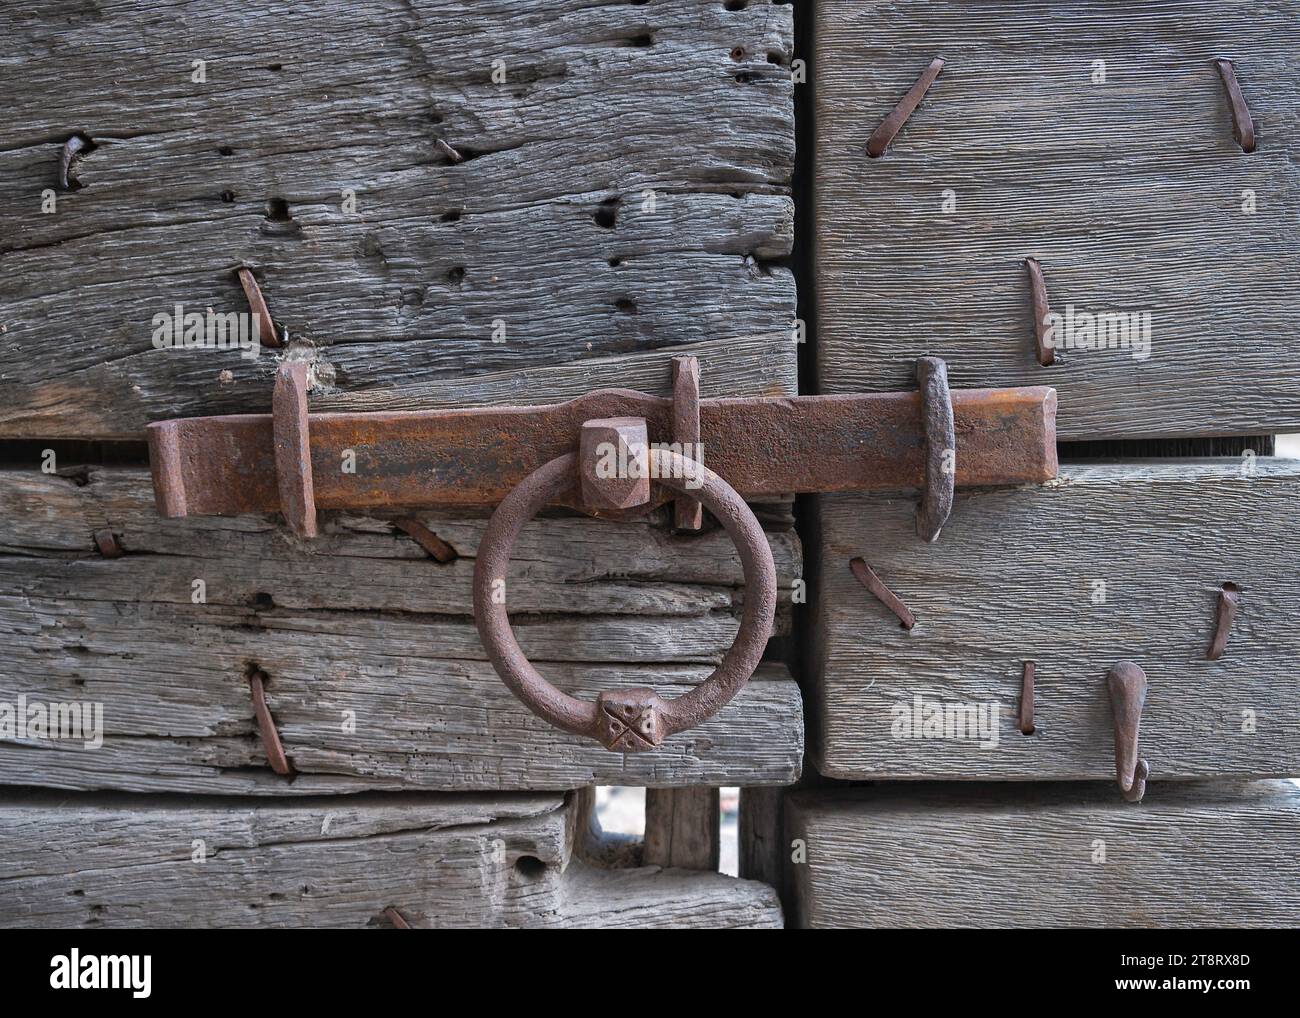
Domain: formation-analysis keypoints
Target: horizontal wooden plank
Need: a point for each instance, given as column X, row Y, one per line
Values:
column 624, row 188
column 1112, row 561
column 376, row 677
column 1196, row 855
column 441, row 861
column 1129, row 192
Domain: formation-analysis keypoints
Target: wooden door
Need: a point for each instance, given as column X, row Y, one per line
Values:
column 441, row 208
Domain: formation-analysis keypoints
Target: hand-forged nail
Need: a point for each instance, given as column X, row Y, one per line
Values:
column 427, row 539
column 1027, row 699
column 1044, row 350
column 1229, row 600
column 257, row 305
column 70, row 148
column 1243, row 127
column 890, row 126
column 868, row 578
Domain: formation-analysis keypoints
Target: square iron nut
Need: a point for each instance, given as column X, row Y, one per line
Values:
column 614, row 463
column 630, row 719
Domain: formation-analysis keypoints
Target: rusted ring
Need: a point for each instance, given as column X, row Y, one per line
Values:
column 627, row 720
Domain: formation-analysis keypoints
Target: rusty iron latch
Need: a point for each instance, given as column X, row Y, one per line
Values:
column 714, row 452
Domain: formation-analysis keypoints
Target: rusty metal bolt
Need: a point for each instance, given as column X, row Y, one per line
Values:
column 615, row 463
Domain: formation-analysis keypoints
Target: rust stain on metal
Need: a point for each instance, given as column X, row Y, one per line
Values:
column 107, row 543
column 1127, row 686
column 1225, row 614
column 940, row 448
column 879, row 141
column 292, row 441
column 267, row 335
column 629, row 720
column 688, row 514
column 70, row 149
column 1243, row 127
column 427, row 539
column 1026, row 723
column 1043, row 350
column 226, row 466
column 396, row 918
column 868, row 578
column 271, row 744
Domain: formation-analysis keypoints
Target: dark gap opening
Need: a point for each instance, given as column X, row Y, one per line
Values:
column 68, row 454
column 1150, row 448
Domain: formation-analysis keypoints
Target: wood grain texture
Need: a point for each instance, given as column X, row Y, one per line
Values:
column 1129, row 193
column 682, row 828
column 543, row 224
column 1015, row 577
column 1197, row 855
column 361, row 625
column 111, row 861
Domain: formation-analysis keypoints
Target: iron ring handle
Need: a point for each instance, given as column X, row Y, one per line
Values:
column 627, row 720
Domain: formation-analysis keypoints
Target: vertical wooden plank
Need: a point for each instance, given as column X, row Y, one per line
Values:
column 681, row 828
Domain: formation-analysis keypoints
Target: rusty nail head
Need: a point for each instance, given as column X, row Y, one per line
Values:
column 271, row 744
column 71, row 147
column 614, row 454
column 1243, row 127
column 868, row 578
column 257, row 305
column 1027, row 698
column 427, row 539
column 107, row 543
column 1043, row 349
column 890, row 126
column 1225, row 614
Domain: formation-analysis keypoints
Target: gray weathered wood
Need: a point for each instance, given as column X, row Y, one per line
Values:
column 544, row 225
column 1202, row 854
column 111, row 861
column 1017, row 575
column 1129, row 193
column 360, row 625
column 681, row 828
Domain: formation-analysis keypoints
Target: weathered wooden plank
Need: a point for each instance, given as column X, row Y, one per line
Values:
column 623, row 187
column 441, row 861
column 376, row 677
column 1114, row 561
column 1129, row 192
column 682, row 828
column 1196, row 855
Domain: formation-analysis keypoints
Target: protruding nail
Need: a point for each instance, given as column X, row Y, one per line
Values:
column 1229, row 601
column 879, row 142
column 1027, row 699
column 257, row 304
column 868, row 578
column 107, row 543
column 940, row 448
column 1127, row 685
column 1043, row 347
column 427, row 539
column 71, row 147
column 396, row 918
column 271, row 744
column 1243, row 128
column 448, row 151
